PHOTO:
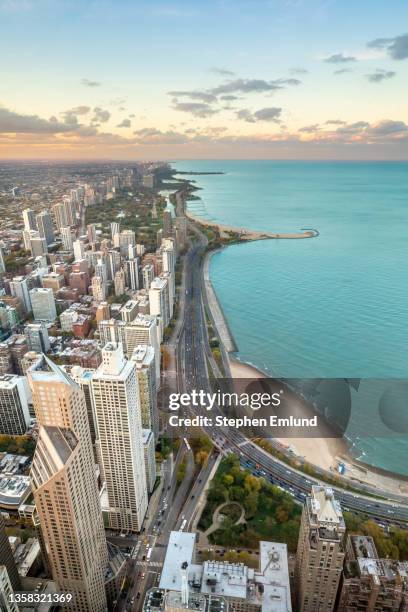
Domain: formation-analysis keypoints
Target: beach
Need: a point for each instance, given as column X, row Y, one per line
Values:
column 324, row 452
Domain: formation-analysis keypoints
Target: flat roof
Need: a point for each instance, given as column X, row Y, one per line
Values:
column 274, row 576
column 180, row 549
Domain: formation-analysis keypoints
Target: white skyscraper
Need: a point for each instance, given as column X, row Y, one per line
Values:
column 66, row 237
column 116, row 402
column 43, row 304
column 132, row 273
column 79, row 250
column 99, row 289
column 143, row 330
column 159, row 300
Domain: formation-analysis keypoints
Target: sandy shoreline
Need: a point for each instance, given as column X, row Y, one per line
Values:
column 327, row 452
column 324, row 452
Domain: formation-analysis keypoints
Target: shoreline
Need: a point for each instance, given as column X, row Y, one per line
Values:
column 324, row 453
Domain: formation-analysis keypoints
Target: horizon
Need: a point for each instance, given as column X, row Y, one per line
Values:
column 260, row 79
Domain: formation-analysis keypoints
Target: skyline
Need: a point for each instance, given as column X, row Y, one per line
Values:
column 278, row 79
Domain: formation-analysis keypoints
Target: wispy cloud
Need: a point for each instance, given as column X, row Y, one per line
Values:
column 252, row 86
column 222, row 71
column 90, row 83
column 340, row 58
column 396, row 47
column 203, row 96
column 100, row 115
column 380, row 75
column 197, row 109
column 342, row 71
column 12, row 122
column 125, row 123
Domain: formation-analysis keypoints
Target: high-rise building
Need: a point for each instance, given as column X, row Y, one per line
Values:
column 37, row 337
column 6, row 591
column 53, row 280
column 91, row 232
column 149, row 446
column 43, row 304
column 60, row 216
column 132, row 274
column 29, row 219
column 148, row 276
column 45, row 226
column 18, row 348
column 112, row 330
column 79, row 250
column 115, row 229
column 129, row 310
column 120, row 286
column 143, row 330
column 35, row 243
column 148, row 181
column 320, row 553
column 124, row 240
column 2, row 262
column 6, row 365
column 159, row 300
column 117, row 408
column 66, row 237
column 113, row 263
column 99, row 289
column 102, row 312
column 14, row 413
column 370, row 583
column 65, row 489
column 19, row 288
column 144, row 358
column 101, row 271
column 80, row 281
column 7, row 559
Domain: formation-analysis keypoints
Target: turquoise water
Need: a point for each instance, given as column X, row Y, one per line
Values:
column 332, row 306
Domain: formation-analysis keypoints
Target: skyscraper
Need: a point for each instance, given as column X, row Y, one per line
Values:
column 29, row 219
column 45, row 226
column 143, row 330
column 66, row 237
column 119, row 428
column 132, row 273
column 120, row 282
column 160, row 301
column 78, row 247
column 65, row 489
column 143, row 357
column 43, row 304
column 7, row 559
column 99, row 289
column 19, row 288
column 148, row 276
column 320, row 553
column 91, row 232
column 14, row 413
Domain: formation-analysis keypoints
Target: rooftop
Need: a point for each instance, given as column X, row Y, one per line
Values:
column 180, row 549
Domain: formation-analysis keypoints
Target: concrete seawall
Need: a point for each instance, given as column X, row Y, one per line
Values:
column 216, row 312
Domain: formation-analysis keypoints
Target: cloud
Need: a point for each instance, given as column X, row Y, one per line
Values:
column 389, row 128
column 222, row 71
column 71, row 116
column 353, row 128
column 380, row 75
column 298, row 71
column 125, row 123
column 339, row 58
column 203, row 96
column 153, row 136
column 335, row 122
column 12, row 122
column 252, row 86
column 229, row 98
column 310, row 129
column 89, row 83
column 197, row 109
column 100, row 115
column 342, row 70
column 264, row 114
column 396, row 47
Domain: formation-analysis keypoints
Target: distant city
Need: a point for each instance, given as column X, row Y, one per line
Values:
column 105, row 309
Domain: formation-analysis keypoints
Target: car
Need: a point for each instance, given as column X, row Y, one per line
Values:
column 132, row 601
column 138, row 595
column 143, row 575
column 193, row 496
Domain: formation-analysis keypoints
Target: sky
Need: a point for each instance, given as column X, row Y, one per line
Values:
column 213, row 79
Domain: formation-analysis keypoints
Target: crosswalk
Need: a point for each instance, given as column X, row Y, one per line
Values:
column 146, row 564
